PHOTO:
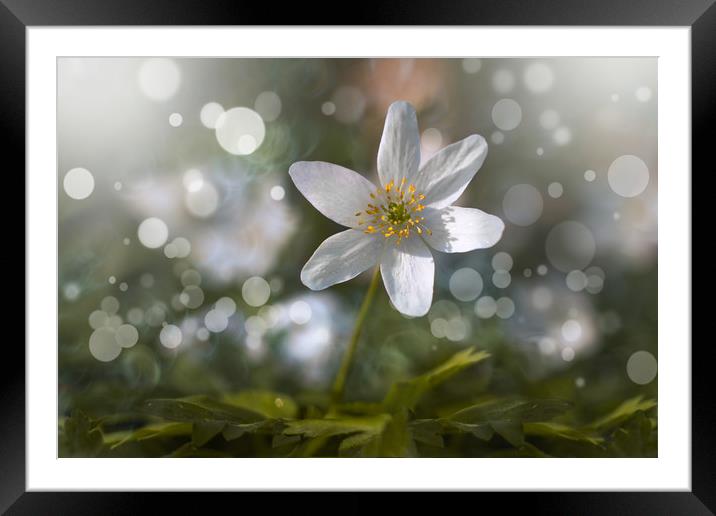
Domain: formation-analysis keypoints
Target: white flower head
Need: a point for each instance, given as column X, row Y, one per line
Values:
column 390, row 225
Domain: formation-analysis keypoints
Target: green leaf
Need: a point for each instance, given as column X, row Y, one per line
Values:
column 393, row 440
column 204, row 431
column 553, row 430
column 152, row 431
column 511, row 410
column 269, row 404
column 482, row 431
column 197, row 409
column 235, row 430
column 360, row 408
column 81, row 437
column 428, row 431
column 622, row 413
column 352, row 446
column 633, row 439
column 189, row 450
column 510, row 431
column 406, row 394
column 331, row 427
column 284, row 440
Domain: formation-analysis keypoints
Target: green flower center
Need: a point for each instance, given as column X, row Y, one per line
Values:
column 395, row 212
column 398, row 214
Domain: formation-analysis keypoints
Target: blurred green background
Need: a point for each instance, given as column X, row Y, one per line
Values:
column 181, row 237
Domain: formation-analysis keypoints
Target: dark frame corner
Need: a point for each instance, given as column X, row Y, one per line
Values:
column 700, row 15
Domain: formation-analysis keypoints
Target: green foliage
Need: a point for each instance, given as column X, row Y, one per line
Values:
column 265, row 423
column 406, row 394
column 623, row 412
column 81, row 437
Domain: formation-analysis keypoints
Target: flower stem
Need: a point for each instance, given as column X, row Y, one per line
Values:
column 340, row 382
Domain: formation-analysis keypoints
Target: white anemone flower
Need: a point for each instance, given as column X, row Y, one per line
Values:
column 393, row 225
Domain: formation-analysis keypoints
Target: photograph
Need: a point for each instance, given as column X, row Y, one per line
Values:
column 447, row 257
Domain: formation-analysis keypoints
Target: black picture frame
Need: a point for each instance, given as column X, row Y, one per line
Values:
column 17, row 15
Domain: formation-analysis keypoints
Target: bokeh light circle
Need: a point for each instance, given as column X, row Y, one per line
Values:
column 465, row 284
column 103, row 346
column 503, row 81
column 471, row 65
column 202, row 202
column 641, row 367
column 153, row 232
column 300, row 312
column 549, row 119
column 216, row 321
column 226, row 306
column 571, row 330
column 159, row 78
column 501, row 279
column 240, row 131
column 502, row 261
column 170, row 336
column 505, row 308
column 78, row 183
column 98, row 319
column 349, row 104
column 555, row 190
column 522, row 204
column 268, row 105
column 175, row 119
column 570, row 245
column 576, row 281
column 110, row 305
column 485, row 307
column 628, row 176
column 328, row 108
column 562, row 136
column 192, row 296
column 539, row 78
column 277, row 193
column 256, row 291
column 127, row 335
column 210, row 114
column 643, row 94
column 506, row 114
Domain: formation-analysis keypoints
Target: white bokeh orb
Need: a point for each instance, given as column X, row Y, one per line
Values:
column 240, row 131
column 570, row 245
column 171, row 336
column 641, row 367
column 628, row 176
column 268, row 105
column 506, row 114
column 538, row 77
column 522, row 204
column 78, row 183
column 465, row 284
column 159, row 78
column 210, row 113
column 153, row 232
column 256, row 291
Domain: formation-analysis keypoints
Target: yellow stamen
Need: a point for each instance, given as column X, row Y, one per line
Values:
column 398, row 212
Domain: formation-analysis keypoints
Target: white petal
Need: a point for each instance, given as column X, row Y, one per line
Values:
column 335, row 191
column 408, row 273
column 446, row 174
column 457, row 230
column 399, row 151
column 341, row 257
